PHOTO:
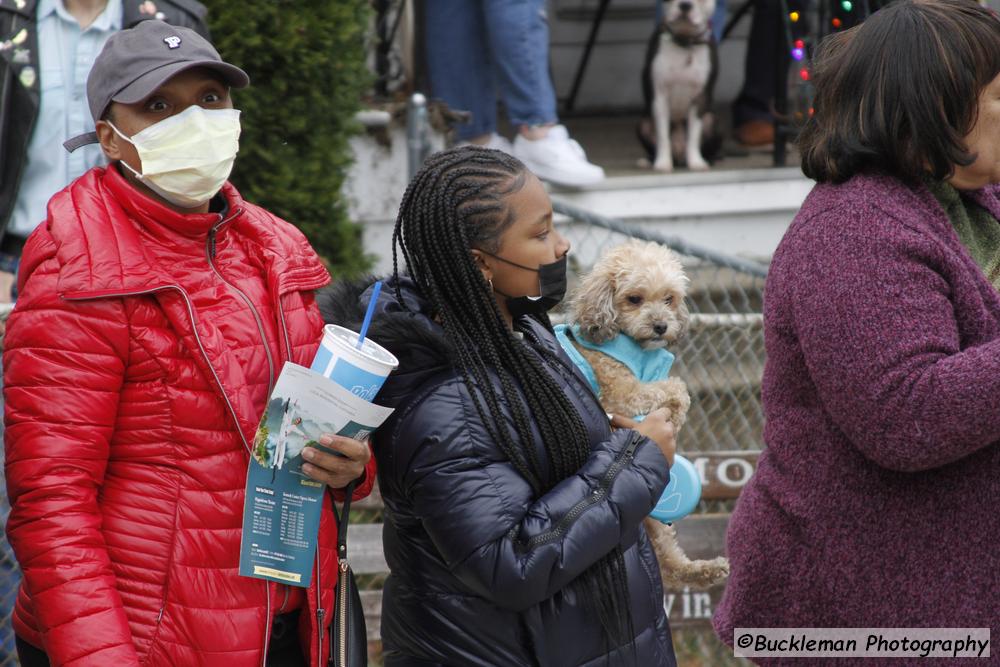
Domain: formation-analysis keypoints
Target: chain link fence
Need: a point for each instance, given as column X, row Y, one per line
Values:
column 10, row 576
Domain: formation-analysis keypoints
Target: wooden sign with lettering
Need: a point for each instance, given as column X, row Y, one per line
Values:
column 689, row 609
column 723, row 474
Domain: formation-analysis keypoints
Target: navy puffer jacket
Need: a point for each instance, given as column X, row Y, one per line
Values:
column 480, row 565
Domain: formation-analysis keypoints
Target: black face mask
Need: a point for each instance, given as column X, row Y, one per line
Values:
column 551, row 288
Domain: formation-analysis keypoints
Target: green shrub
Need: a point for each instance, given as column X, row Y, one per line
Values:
column 306, row 61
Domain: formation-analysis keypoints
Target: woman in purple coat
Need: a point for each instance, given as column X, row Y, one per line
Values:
column 876, row 499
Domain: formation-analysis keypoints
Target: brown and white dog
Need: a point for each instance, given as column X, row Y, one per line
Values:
column 638, row 289
column 678, row 80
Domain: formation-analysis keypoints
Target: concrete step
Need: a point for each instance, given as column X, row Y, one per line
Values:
column 738, row 211
column 742, row 212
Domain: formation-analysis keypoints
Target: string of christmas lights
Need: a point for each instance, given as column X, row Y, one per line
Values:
column 806, row 22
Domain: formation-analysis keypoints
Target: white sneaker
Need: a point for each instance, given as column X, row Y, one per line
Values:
column 496, row 141
column 557, row 158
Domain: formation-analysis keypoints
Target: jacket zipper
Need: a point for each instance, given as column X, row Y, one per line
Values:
column 267, row 624
column 595, row 497
column 343, row 603
column 210, row 254
column 601, row 491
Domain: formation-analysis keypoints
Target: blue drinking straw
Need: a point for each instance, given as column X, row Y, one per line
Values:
column 368, row 314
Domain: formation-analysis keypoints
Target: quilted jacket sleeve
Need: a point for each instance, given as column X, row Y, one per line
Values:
column 64, row 365
column 503, row 544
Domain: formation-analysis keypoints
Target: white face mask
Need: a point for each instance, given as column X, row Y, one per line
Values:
column 186, row 158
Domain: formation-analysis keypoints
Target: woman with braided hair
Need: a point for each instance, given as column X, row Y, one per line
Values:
column 513, row 509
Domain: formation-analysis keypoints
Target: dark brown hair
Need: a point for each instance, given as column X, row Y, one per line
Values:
column 900, row 92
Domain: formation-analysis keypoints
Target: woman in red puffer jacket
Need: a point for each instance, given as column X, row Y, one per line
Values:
column 137, row 364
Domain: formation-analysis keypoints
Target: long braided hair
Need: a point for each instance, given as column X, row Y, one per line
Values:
column 455, row 203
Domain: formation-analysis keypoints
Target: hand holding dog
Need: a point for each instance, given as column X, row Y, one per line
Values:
column 656, row 426
column 340, row 461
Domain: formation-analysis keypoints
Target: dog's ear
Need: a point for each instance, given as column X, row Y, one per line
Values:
column 594, row 307
column 684, row 320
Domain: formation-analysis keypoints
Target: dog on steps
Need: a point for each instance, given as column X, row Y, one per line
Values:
column 678, row 81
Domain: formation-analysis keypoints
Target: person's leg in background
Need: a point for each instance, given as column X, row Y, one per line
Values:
column 518, row 39
column 460, row 68
column 753, row 121
column 719, row 20
column 518, row 34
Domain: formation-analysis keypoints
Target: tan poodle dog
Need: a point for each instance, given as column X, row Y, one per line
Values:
column 638, row 289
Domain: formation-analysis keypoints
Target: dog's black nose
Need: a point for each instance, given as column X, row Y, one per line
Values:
column 660, row 329
column 685, row 7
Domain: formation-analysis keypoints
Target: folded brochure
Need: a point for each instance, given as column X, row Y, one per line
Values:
column 282, row 506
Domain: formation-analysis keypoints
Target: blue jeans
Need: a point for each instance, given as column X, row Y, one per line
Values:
column 479, row 48
column 10, row 264
column 760, row 77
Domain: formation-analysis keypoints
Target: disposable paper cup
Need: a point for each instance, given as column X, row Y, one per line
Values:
column 360, row 371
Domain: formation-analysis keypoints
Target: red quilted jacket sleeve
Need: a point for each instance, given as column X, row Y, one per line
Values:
column 64, row 364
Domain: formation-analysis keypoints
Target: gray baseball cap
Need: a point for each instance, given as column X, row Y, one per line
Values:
column 137, row 61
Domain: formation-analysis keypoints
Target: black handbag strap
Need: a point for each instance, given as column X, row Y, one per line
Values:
column 342, row 519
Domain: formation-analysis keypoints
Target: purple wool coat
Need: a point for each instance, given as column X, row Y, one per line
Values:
column 876, row 502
